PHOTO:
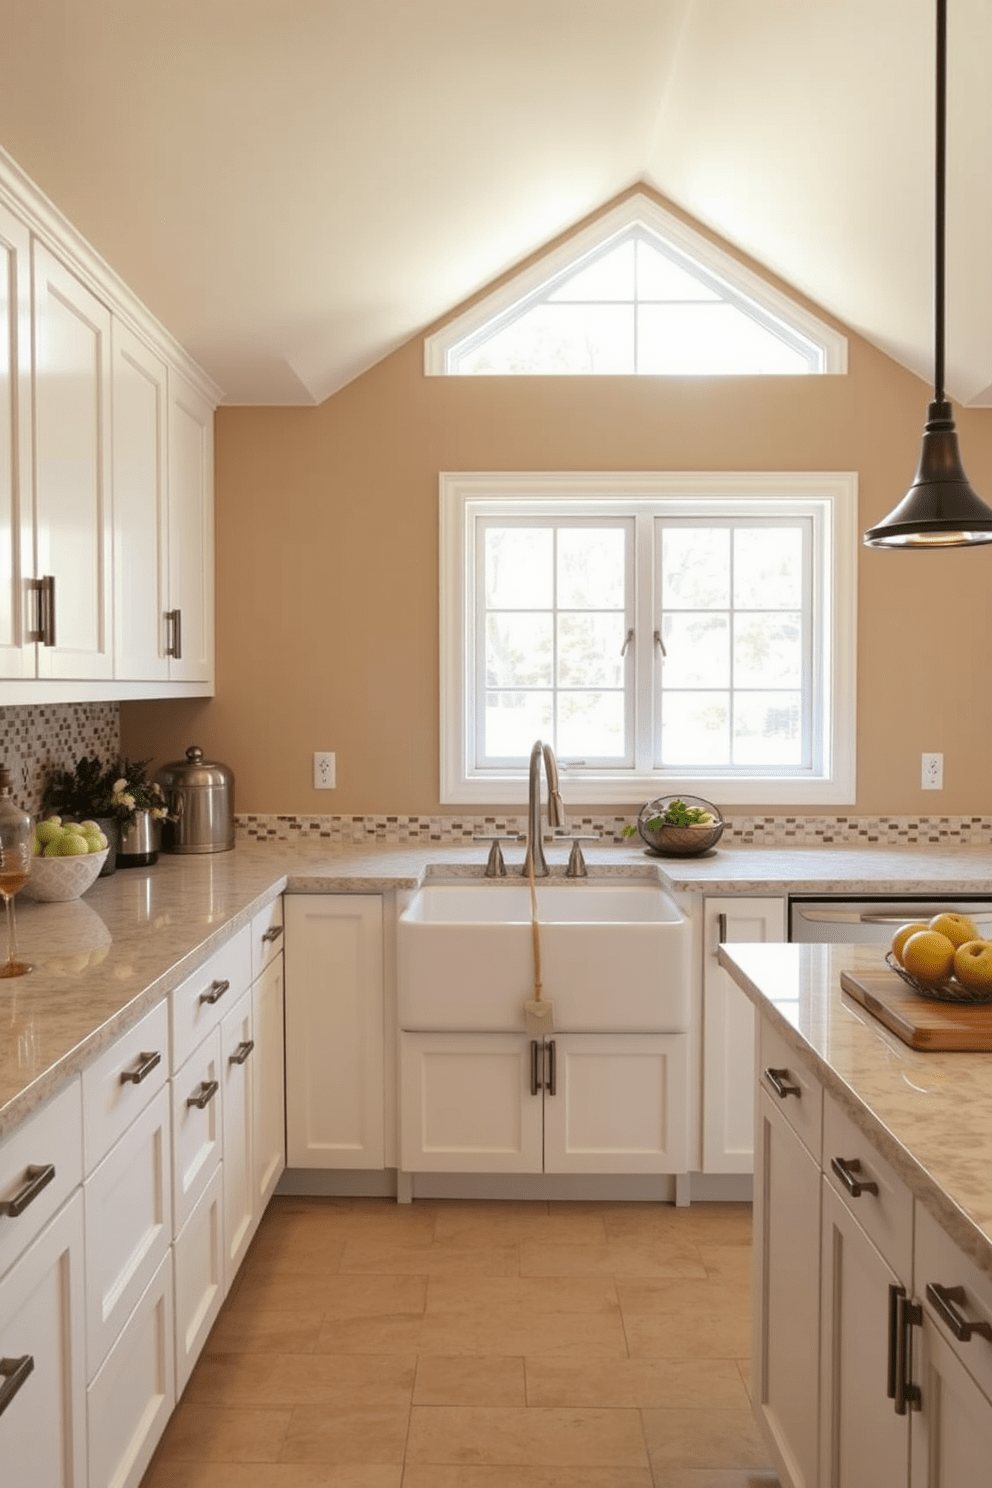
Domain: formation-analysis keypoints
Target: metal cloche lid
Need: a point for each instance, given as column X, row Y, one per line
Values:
column 194, row 771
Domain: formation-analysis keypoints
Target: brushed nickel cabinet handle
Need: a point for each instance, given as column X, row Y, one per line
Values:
column 945, row 1302
column 847, row 1170
column 208, row 1089
column 908, row 1315
column 242, row 1051
column 48, row 610
column 535, row 1056
column 37, row 1177
column 552, row 1068
column 273, row 933
column 146, row 1064
column 174, row 645
column 721, row 928
column 781, row 1083
column 214, row 992
column 13, row 1372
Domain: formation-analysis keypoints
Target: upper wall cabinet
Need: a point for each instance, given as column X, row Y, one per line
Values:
column 106, row 478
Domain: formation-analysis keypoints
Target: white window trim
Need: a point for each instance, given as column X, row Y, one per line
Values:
column 464, row 495
column 636, row 210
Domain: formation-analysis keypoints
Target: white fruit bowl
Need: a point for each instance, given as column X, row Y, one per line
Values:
column 54, row 880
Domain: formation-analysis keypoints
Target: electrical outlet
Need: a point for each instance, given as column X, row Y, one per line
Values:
column 324, row 770
column 933, row 772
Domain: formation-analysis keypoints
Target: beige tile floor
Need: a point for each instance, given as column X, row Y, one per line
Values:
column 446, row 1344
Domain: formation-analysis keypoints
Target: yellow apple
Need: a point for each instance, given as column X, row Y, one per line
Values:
column 973, row 965
column 902, row 935
column 957, row 927
column 928, row 955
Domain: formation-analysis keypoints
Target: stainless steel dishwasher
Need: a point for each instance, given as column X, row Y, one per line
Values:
column 874, row 920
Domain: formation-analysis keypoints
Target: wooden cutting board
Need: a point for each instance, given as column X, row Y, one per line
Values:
column 921, row 1022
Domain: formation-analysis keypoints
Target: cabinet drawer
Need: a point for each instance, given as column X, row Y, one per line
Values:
column 119, row 1084
column 131, row 1399
column 940, row 1263
column 128, row 1226
column 49, row 1138
column 266, row 936
column 196, row 1126
column 792, row 1086
column 199, row 1003
column 885, row 1216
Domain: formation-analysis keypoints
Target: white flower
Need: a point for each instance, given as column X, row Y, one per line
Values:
column 120, row 785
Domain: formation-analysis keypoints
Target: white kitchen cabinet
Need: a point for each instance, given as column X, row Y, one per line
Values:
column 728, row 1031
column 199, row 1275
column 190, row 641
column 334, row 1031
column 141, row 510
column 574, row 1103
column 785, row 1364
column 268, row 1089
column 237, row 1048
column 72, row 442
column 17, row 568
column 42, row 1372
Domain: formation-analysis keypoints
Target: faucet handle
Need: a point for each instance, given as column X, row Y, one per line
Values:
column 576, row 862
column 495, row 866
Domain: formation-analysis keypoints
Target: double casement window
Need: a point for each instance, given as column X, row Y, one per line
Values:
column 675, row 631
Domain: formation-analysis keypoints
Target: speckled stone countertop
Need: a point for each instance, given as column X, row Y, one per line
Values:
column 104, row 960
column 930, row 1114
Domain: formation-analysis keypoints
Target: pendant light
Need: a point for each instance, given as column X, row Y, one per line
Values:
column 940, row 509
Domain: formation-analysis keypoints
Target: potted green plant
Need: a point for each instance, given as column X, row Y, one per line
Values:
column 120, row 797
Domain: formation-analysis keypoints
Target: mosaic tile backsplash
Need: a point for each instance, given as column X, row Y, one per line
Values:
column 37, row 740
column 34, row 741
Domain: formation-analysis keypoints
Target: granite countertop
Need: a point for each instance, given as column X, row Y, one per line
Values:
column 929, row 1113
column 104, row 960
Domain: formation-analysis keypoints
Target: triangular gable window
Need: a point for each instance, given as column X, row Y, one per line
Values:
column 637, row 293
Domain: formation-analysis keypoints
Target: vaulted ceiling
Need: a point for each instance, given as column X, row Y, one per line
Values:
column 295, row 187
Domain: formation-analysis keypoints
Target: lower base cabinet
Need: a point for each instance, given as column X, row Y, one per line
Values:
column 43, row 1377
column 198, row 1262
column 575, row 1103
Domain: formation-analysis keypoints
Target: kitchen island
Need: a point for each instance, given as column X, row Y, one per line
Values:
column 872, row 1356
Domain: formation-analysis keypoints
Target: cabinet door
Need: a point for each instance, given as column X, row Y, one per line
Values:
column 862, row 1441
column 470, row 1103
column 334, row 1031
column 197, row 1128
column 141, row 574
column 952, row 1431
column 198, row 1266
column 615, row 1103
column 42, row 1422
column 728, row 1033
column 72, row 469
column 191, row 532
column 268, row 1088
column 17, row 654
column 785, row 1384
column 237, row 1050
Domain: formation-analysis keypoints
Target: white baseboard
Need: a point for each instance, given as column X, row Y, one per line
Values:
column 707, row 1188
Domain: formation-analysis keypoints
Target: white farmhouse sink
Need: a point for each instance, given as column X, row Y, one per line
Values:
column 614, row 957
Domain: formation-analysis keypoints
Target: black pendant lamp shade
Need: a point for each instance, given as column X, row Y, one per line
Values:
column 940, row 509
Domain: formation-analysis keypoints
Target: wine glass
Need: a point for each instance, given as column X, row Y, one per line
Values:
column 15, row 867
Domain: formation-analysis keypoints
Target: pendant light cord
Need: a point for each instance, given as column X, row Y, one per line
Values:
column 939, row 200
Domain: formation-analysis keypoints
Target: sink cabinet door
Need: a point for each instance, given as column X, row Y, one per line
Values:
column 617, row 1103
column 466, row 1104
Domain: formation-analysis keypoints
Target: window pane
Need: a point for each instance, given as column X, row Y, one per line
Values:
column 559, row 339
column 513, row 721
column 589, row 650
column 695, row 728
column 518, row 650
column 590, row 725
column 719, row 339
column 609, row 277
column 767, row 728
column 695, row 568
column 768, row 650
column 697, row 650
column 518, row 567
column 658, row 278
column 591, row 567
column 768, row 568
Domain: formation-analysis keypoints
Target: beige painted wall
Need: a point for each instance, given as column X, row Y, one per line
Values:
column 327, row 568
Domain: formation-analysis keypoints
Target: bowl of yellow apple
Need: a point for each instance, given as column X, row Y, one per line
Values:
column 66, row 859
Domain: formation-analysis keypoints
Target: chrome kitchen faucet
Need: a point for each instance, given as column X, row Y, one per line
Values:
column 556, row 809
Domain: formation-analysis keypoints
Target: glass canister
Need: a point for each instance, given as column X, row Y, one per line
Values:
column 199, row 794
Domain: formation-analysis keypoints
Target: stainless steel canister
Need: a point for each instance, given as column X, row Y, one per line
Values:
column 199, row 793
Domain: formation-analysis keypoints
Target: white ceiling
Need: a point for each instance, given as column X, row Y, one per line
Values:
column 295, row 187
